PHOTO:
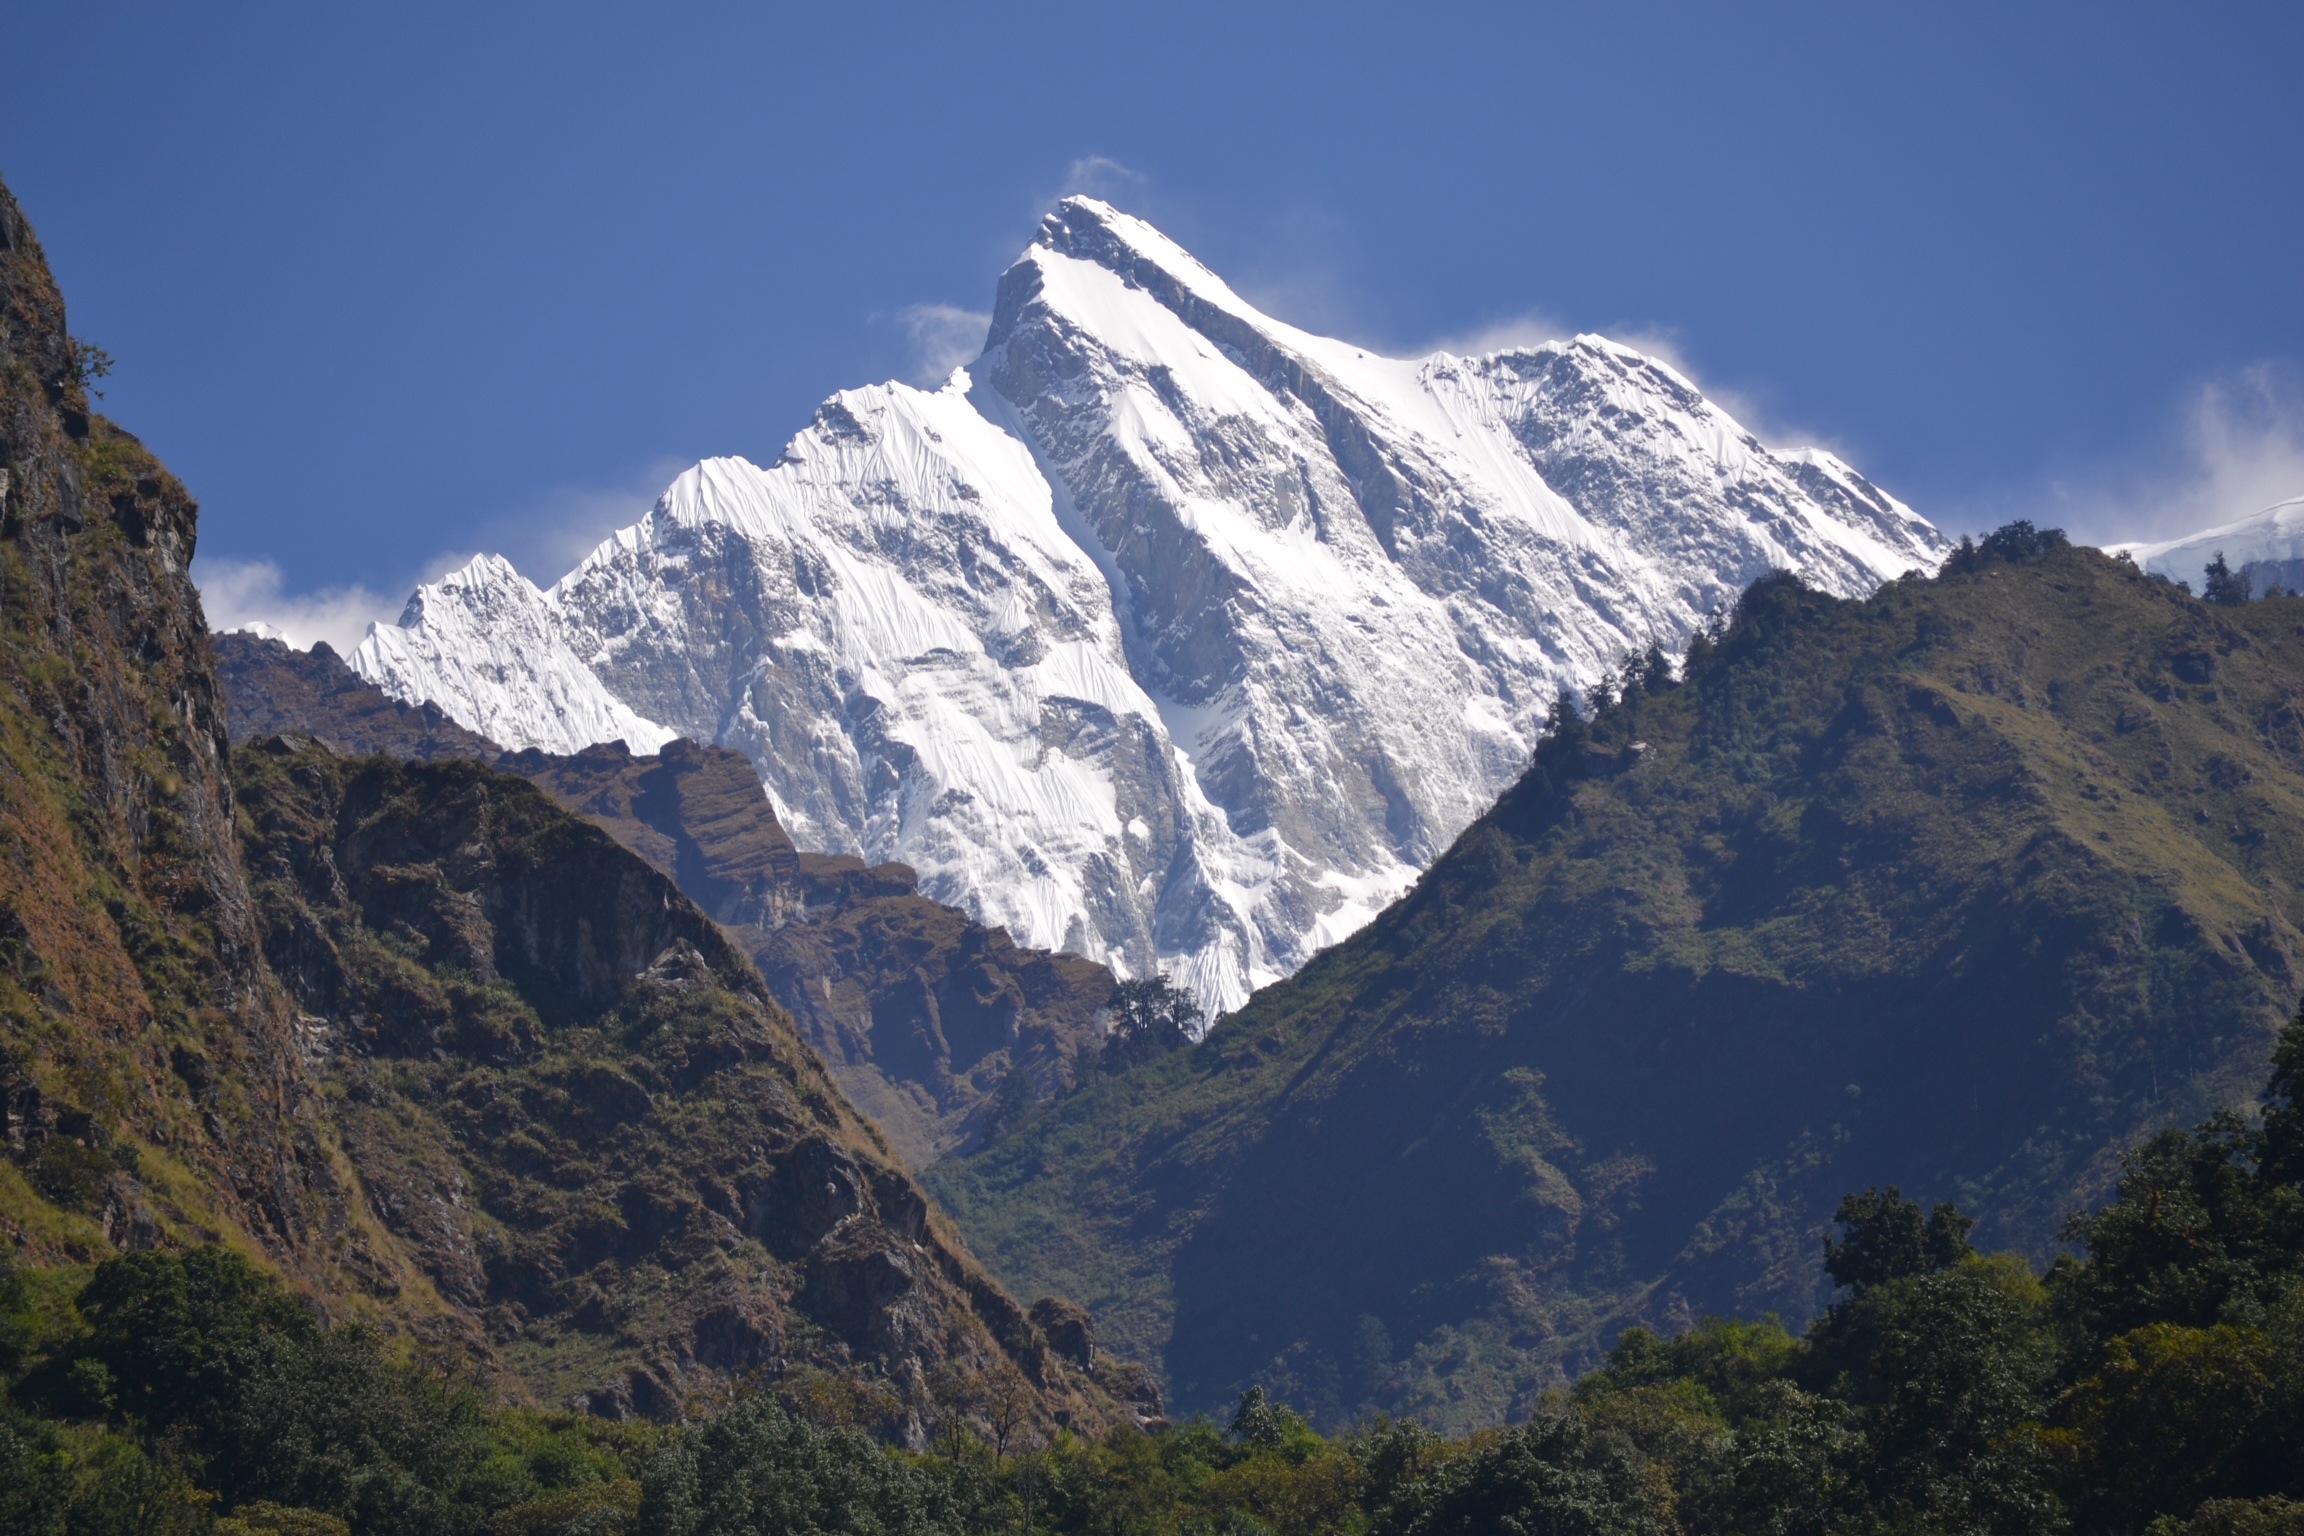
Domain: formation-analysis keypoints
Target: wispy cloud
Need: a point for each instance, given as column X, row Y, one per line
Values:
column 1104, row 177
column 2236, row 447
column 1755, row 413
column 544, row 539
column 940, row 338
column 561, row 524
column 241, row 593
column 1529, row 328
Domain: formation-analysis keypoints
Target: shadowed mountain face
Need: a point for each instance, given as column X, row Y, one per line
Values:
column 271, row 690
column 936, row 1026
column 1960, row 887
column 445, row 1055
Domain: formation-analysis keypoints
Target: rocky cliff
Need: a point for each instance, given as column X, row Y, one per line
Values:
column 572, row 1101
column 149, row 1073
column 936, row 1026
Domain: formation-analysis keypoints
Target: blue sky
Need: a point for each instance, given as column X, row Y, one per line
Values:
column 387, row 285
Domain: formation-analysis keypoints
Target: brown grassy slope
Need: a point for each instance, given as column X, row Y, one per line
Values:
column 148, row 1069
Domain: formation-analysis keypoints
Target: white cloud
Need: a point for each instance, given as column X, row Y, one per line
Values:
column 562, row 524
column 240, row 593
column 942, row 337
column 1751, row 412
column 544, row 539
column 1531, row 328
column 2236, row 449
column 1103, row 177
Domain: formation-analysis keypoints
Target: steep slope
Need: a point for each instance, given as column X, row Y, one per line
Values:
column 934, row 1025
column 271, row 689
column 150, row 1084
column 1960, row 887
column 1164, row 633
column 577, row 1108
column 436, row 1124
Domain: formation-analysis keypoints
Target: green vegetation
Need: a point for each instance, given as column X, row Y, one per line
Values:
column 1962, row 888
column 2151, row 1383
column 166, row 1390
column 1152, row 1017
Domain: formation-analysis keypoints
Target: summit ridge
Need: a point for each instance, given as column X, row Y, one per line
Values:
column 1164, row 632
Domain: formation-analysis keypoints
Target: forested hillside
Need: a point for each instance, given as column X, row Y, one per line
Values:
column 1962, row 887
column 2153, row 1382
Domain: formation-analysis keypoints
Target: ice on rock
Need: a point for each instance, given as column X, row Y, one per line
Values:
column 1165, row 632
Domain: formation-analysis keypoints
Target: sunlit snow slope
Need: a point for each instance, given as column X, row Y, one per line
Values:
column 1165, row 632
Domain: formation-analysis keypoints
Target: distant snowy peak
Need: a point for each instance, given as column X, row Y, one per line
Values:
column 491, row 650
column 2272, row 537
column 1165, row 632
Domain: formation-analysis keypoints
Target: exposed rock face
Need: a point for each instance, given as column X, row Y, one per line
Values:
column 149, row 1069
column 576, row 1105
column 1165, row 633
column 934, row 1025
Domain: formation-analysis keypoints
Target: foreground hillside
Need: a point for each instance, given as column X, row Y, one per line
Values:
column 440, row 1055
column 2152, row 1381
column 1963, row 886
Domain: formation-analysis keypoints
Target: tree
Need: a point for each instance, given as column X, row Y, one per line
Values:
column 758, row 1471
column 171, row 1336
column 1151, row 1016
column 2225, row 587
column 2014, row 543
column 1549, row 1477
column 1953, row 1370
column 2207, row 1224
column 1885, row 1238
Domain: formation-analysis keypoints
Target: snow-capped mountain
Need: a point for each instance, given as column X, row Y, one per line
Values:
column 1164, row 632
column 2271, row 540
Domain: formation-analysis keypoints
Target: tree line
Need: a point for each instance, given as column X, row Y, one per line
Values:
column 2148, row 1383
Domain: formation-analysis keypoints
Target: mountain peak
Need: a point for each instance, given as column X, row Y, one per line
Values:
column 1173, row 635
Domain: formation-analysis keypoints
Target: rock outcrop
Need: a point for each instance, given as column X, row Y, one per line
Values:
column 572, row 1100
column 936, row 1026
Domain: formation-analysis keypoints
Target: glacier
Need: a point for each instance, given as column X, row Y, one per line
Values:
column 1164, row 632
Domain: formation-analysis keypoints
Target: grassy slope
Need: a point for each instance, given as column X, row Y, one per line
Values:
column 1962, row 886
